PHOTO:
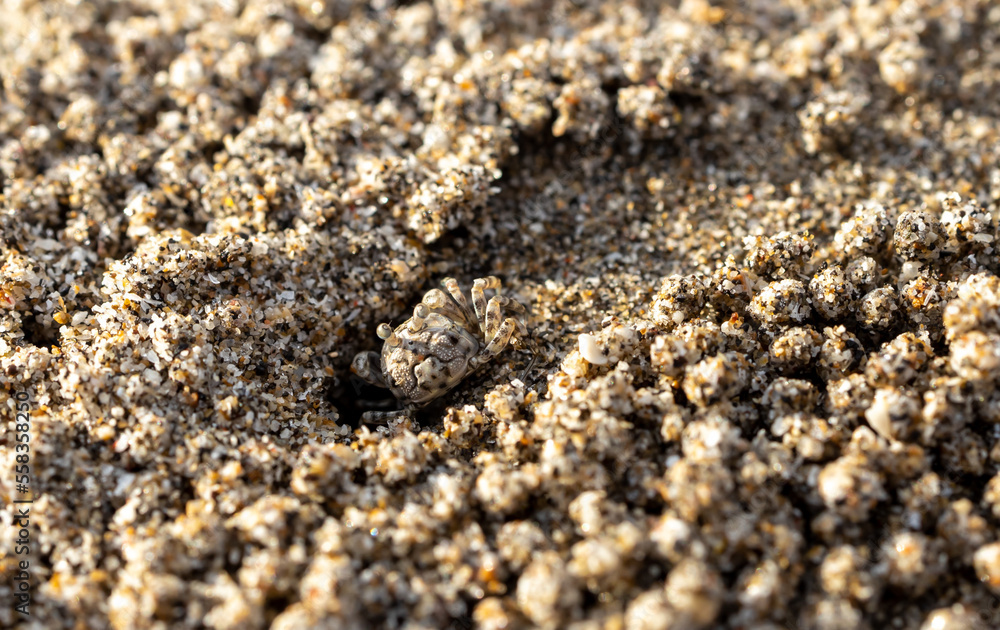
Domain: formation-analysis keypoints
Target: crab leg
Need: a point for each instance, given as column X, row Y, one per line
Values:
column 518, row 309
column 440, row 302
column 451, row 285
column 499, row 341
column 493, row 315
column 479, row 299
column 498, row 305
column 383, row 417
column 435, row 299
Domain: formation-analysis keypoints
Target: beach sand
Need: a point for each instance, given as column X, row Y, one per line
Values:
column 757, row 245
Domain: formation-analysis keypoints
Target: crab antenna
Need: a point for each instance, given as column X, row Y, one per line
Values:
column 420, row 313
column 385, row 333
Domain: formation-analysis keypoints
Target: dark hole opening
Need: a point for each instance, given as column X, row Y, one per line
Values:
column 354, row 397
column 37, row 334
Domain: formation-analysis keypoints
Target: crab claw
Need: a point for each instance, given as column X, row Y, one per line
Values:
column 361, row 364
column 367, row 367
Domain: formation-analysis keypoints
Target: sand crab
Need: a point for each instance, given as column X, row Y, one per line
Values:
column 445, row 341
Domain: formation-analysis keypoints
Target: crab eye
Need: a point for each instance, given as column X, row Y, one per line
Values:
column 420, row 313
column 383, row 331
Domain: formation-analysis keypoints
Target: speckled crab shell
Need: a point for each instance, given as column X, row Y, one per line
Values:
column 422, row 361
